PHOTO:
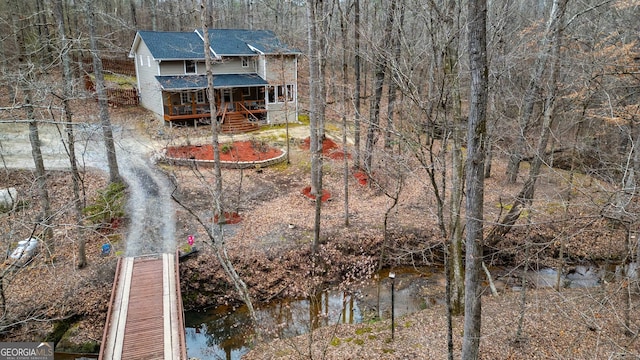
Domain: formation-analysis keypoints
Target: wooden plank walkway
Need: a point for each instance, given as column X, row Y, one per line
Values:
column 145, row 313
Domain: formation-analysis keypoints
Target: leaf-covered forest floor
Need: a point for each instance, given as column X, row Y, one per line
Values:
column 270, row 248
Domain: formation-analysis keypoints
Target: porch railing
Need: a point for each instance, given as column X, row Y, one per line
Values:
column 190, row 111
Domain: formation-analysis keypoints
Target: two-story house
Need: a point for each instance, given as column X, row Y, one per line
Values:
column 254, row 77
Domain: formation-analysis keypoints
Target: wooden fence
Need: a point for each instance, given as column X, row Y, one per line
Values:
column 115, row 97
column 117, row 66
column 123, row 97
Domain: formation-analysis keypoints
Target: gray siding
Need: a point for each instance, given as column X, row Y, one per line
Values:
column 148, row 87
column 233, row 65
column 280, row 114
column 226, row 66
column 281, row 69
column 172, row 67
column 262, row 66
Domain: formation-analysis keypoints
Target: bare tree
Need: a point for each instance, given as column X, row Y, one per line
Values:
column 105, row 121
column 356, row 93
column 381, row 66
column 532, row 91
column 216, row 231
column 25, row 84
column 67, row 78
column 344, row 97
column 476, row 132
column 317, row 23
column 525, row 196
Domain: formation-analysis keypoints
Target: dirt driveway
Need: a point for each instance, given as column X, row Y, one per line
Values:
column 150, row 207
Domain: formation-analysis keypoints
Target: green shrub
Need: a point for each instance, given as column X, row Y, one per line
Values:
column 226, row 148
column 108, row 205
column 335, row 341
column 304, row 118
column 363, row 330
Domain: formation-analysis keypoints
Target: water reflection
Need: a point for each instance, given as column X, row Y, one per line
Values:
column 224, row 333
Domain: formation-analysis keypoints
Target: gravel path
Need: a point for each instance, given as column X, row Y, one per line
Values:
column 150, row 206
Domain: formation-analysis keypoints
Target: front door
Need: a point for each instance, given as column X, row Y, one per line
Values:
column 227, row 99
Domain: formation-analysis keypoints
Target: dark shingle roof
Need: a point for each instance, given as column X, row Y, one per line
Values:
column 184, row 82
column 237, row 41
column 173, row 45
column 167, row 45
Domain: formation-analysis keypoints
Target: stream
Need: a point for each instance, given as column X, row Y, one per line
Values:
column 225, row 333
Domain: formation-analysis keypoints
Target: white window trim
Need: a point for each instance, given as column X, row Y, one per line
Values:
column 195, row 67
column 275, row 97
column 290, row 97
column 201, row 93
column 284, row 90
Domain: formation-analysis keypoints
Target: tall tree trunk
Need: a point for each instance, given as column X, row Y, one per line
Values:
column 153, row 9
column 356, row 92
column 67, row 78
column 249, row 14
column 105, row 121
column 524, row 121
column 476, row 133
column 315, row 12
column 453, row 114
column 43, row 30
column 134, row 19
column 4, row 69
column 25, row 81
column 343, row 96
column 374, row 108
column 524, row 198
column 393, row 84
column 215, row 232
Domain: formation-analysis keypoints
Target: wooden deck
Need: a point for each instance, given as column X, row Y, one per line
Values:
column 243, row 116
column 145, row 314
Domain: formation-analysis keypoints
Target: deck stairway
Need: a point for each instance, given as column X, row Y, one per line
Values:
column 238, row 123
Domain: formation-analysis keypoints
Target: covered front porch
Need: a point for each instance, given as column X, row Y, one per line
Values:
column 240, row 104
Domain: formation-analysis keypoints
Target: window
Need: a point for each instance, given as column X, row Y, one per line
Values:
column 200, row 98
column 281, row 93
column 245, row 62
column 272, row 94
column 141, row 61
column 148, row 61
column 185, row 98
column 189, row 67
column 290, row 93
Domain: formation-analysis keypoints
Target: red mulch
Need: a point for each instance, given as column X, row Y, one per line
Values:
column 325, row 194
column 230, row 218
column 329, row 149
column 361, row 177
column 236, row 151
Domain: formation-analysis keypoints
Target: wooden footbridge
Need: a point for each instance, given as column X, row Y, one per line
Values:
column 145, row 319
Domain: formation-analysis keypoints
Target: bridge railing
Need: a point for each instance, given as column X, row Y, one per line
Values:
column 105, row 332
column 183, row 341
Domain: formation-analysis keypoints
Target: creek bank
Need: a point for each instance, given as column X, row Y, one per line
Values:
column 348, row 258
column 227, row 331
